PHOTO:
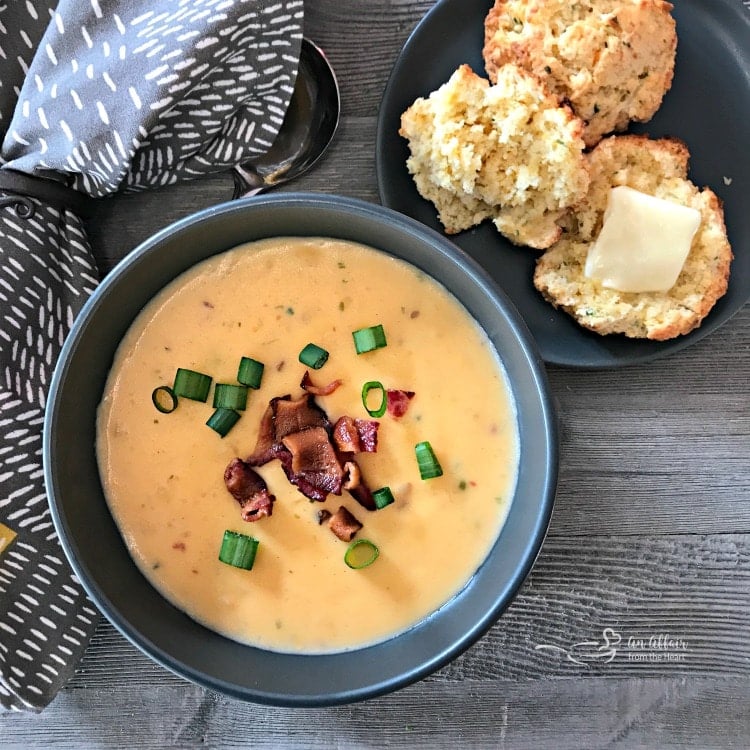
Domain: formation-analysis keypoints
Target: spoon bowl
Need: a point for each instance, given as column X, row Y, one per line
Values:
column 309, row 126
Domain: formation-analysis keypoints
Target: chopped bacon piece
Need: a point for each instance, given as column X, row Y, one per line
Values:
column 299, row 434
column 241, row 480
column 345, row 435
column 355, row 485
column 397, row 402
column 356, row 435
column 282, row 417
column 313, row 485
column 259, row 506
column 265, row 447
column 318, row 390
column 249, row 489
column 363, row 495
column 368, row 434
column 311, row 451
column 352, row 475
column 344, row 525
column 292, row 416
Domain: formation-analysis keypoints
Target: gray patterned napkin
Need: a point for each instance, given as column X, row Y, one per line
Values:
column 99, row 96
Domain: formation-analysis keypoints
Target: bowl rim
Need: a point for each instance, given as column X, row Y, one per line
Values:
column 530, row 361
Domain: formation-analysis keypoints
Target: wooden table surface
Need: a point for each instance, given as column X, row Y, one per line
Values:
column 649, row 542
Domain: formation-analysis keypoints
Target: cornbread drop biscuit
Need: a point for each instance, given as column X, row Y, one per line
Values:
column 612, row 60
column 658, row 168
column 507, row 152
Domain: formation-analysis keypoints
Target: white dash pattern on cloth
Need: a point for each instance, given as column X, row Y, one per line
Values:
column 122, row 96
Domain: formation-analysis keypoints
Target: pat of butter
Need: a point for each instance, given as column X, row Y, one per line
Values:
column 643, row 243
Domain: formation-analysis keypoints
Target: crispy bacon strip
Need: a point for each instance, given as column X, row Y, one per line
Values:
column 259, row 506
column 294, row 415
column 249, row 489
column 313, row 461
column 367, row 429
column 311, row 451
column 363, row 495
column 313, row 485
column 397, row 402
column 352, row 475
column 284, row 416
column 299, row 434
column 354, row 483
column 318, row 390
column 343, row 524
column 265, row 447
column 355, row 435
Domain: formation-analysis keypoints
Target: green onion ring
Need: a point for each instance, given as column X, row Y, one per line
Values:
column 164, row 399
column 353, row 556
column 375, row 385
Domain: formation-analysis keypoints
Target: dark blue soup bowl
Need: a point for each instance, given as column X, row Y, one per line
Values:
column 93, row 543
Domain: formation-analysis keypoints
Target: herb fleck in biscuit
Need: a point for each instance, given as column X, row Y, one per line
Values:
column 658, row 168
column 507, row 152
column 612, row 60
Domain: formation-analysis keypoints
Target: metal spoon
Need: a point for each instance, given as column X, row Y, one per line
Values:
column 309, row 126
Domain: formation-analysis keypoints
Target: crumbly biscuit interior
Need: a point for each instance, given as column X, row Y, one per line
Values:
column 506, row 151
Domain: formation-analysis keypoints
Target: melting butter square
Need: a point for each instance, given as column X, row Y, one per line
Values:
column 643, row 243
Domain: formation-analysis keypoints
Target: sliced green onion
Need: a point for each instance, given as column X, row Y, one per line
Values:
column 164, row 399
column 382, row 497
column 429, row 466
column 191, row 384
column 360, row 554
column 222, row 420
column 250, row 372
column 238, row 550
column 367, row 339
column 375, row 385
column 313, row 356
column 229, row 396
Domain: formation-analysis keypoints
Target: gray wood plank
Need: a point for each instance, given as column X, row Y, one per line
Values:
column 659, row 446
column 666, row 713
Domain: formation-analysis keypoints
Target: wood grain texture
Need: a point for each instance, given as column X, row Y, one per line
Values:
column 666, row 713
column 650, row 538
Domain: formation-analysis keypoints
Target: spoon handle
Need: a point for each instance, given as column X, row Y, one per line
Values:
column 247, row 183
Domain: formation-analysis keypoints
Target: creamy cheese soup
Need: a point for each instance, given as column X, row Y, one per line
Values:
column 163, row 473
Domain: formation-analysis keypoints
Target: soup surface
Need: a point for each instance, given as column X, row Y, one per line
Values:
column 163, row 474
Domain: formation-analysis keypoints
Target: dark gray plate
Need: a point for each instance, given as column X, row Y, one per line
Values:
column 708, row 107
